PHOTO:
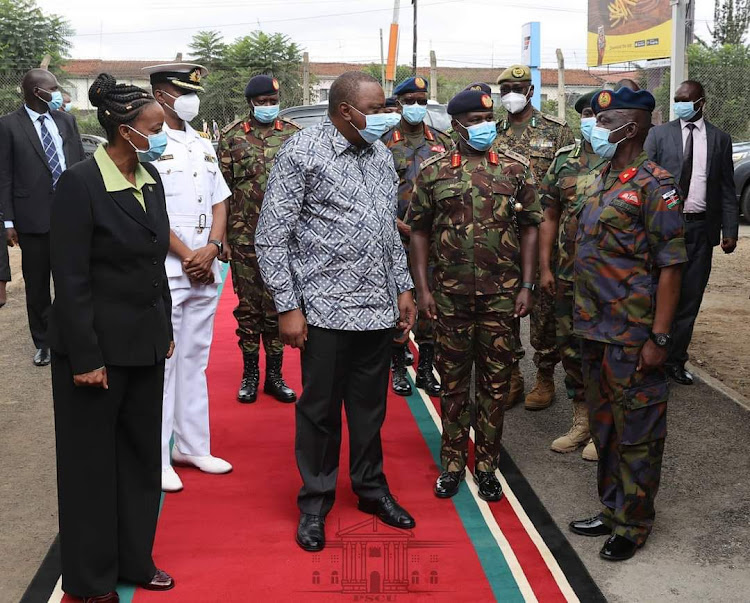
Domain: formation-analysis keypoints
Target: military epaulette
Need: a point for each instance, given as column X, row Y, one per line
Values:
column 555, row 119
column 229, row 127
column 657, row 171
column 515, row 156
column 291, row 122
column 204, row 134
column 565, row 149
column 433, row 159
column 397, row 136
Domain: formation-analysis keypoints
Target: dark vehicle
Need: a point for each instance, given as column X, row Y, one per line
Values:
column 308, row 115
column 90, row 142
column 741, row 159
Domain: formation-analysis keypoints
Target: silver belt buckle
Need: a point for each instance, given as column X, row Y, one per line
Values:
column 201, row 223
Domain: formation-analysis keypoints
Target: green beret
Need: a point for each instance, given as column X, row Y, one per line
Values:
column 515, row 73
column 585, row 101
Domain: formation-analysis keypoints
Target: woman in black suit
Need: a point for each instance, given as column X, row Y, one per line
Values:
column 110, row 332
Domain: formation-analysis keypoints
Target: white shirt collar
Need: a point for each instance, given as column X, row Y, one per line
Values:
column 699, row 124
column 34, row 115
column 179, row 135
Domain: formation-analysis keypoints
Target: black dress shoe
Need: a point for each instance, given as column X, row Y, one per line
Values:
column 489, row 486
column 679, row 375
column 275, row 385
column 593, row 526
column 401, row 385
column 112, row 597
column 425, row 377
column 42, row 357
column 388, row 511
column 618, row 548
column 161, row 581
column 311, row 535
column 447, row 483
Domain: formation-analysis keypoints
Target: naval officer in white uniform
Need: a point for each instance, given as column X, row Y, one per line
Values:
column 195, row 191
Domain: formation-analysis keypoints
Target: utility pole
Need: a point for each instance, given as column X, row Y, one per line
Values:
column 305, row 78
column 560, row 84
column 433, row 76
column 414, row 52
column 382, row 61
column 677, row 72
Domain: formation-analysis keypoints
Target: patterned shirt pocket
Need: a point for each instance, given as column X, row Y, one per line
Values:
column 502, row 191
column 449, row 205
column 617, row 233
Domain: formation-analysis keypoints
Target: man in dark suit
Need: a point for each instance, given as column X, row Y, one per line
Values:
column 699, row 155
column 37, row 144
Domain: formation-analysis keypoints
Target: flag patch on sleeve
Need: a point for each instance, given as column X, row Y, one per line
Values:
column 672, row 198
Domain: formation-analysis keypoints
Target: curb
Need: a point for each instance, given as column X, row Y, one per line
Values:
column 714, row 383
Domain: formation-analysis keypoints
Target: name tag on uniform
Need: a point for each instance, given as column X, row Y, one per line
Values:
column 165, row 157
column 542, row 143
column 209, row 158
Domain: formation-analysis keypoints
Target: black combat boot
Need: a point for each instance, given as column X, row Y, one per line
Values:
column 398, row 365
column 274, row 384
column 425, row 377
column 250, row 376
column 408, row 356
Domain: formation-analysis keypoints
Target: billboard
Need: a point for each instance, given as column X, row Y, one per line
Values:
column 628, row 30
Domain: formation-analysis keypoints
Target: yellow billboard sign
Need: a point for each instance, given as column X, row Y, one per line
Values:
column 628, row 30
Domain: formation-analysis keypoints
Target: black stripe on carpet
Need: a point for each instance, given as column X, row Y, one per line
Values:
column 570, row 563
column 41, row 586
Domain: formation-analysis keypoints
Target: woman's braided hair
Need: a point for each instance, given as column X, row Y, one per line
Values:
column 116, row 103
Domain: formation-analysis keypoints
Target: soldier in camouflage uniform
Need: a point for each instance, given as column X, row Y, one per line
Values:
column 412, row 142
column 468, row 208
column 630, row 251
column 537, row 137
column 247, row 149
column 561, row 194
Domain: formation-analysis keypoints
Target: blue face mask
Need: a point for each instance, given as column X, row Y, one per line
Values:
column 414, row 114
column 377, row 124
column 587, row 124
column 55, row 102
column 686, row 109
column 67, row 108
column 481, row 136
column 157, row 143
column 600, row 141
column 265, row 114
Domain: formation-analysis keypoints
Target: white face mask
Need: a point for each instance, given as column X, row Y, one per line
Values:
column 515, row 102
column 186, row 106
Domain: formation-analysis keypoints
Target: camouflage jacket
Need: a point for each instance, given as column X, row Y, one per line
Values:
column 466, row 206
column 630, row 226
column 246, row 155
column 407, row 158
column 541, row 139
column 562, row 188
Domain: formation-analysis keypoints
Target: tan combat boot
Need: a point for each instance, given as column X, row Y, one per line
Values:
column 590, row 453
column 578, row 434
column 543, row 394
column 516, row 387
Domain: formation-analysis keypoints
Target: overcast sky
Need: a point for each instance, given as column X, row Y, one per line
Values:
column 479, row 33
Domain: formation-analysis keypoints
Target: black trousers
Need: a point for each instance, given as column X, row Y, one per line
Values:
column 694, row 280
column 353, row 367
column 35, row 263
column 4, row 259
column 108, row 475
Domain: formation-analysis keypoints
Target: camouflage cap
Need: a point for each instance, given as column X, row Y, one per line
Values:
column 515, row 73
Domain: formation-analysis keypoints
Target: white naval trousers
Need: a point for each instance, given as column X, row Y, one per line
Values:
column 185, row 409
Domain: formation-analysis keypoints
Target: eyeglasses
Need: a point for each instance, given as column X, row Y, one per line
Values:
column 420, row 101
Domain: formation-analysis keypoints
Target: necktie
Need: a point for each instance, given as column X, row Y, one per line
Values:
column 687, row 162
column 53, row 161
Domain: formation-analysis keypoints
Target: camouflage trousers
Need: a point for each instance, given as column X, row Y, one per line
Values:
column 473, row 331
column 256, row 313
column 628, row 421
column 543, row 335
column 567, row 343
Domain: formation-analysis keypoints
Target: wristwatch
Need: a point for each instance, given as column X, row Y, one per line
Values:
column 218, row 244
column 529, row 286
column 661, row 339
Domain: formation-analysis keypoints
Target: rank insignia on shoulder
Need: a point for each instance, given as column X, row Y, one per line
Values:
column 165, row 157
column 493, row 158
column 246, row 127
column 456, row 160
column 209, row 158
column 397, row 136
column 277, row 125
column 628, row 174
column 630, row 197
column 428, row 135
column 438, row 148
column 672, row 199
column 203, row 134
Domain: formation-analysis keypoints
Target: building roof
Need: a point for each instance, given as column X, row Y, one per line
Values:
column 90, row 68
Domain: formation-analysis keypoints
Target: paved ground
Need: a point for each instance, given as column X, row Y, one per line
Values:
column 698, row 551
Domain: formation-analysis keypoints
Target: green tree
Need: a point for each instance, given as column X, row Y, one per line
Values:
column 207, row 48
column 571, row 115
column 731, row 20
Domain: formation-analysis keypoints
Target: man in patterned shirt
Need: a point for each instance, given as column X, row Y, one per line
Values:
column 630, row 251
column 331, row 256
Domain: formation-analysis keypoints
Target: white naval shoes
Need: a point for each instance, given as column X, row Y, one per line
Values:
column 170, row 481
column 207, row 464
